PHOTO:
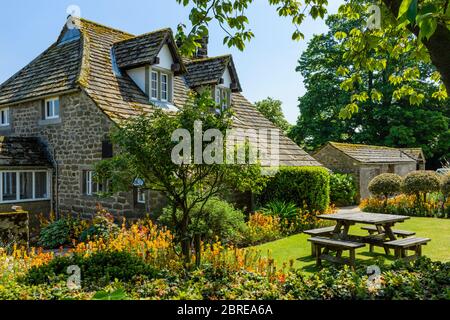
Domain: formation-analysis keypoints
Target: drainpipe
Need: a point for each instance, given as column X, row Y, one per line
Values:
column 56, row 184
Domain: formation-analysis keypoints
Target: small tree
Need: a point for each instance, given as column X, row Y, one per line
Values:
column 386, row 184
column 445, row 189
column 420, row 183
column 147, row 147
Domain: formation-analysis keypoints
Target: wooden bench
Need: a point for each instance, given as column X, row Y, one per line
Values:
column 401, row 247
column 373, row 229
column 334, row 245
column 320, row 232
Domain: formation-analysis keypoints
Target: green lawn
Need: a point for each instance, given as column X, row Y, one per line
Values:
column 298, row 249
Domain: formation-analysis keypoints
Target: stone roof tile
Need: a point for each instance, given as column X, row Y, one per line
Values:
column 23, row 152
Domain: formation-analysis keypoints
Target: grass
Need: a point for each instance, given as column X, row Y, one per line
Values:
column 297, row 249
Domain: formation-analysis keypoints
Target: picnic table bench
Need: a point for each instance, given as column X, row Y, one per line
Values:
column 401, row 247
column 373, row 230
column 334, row 245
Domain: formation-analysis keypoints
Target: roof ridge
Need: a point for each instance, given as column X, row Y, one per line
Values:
column 105, row 26
column 363, row 145
column 144, row 34
column 210, row 58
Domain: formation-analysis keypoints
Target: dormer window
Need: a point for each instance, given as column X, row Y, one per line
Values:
column 51, row 109
column 4, row 117
column 161, row 85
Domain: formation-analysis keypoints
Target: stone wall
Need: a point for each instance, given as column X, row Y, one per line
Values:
column 75, row 144
column 14, row 229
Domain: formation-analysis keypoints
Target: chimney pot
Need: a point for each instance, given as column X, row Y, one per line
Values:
column 202, row 52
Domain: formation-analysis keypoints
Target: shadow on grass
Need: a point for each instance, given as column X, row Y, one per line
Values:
column 374, row 258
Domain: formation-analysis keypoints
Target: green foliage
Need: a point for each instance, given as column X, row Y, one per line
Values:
column 283, row 210
column 217, row 220
column 97, row 270
column 57, row 234
column 421, row 183
column 102, row 226
column 300, row 185
column 342, row 190
column 232, row 18
column 272, row 110
column 381, row 120
column 386, row 184
column 445, row 187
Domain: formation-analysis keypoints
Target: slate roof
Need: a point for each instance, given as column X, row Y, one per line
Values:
column 23, row 152
column 55, row 70
column 210, row 70
column 372, row 154
column 144, row 49
column 87, row 64
column 415, row 153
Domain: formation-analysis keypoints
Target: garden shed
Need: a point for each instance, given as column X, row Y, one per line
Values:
column 365, row 162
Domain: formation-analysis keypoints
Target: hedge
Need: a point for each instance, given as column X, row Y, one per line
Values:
column 300, row 185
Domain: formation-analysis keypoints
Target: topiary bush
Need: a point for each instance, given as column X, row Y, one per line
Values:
column 386, row 184
column 299, row 185
column 342, row 190
column 420, row 183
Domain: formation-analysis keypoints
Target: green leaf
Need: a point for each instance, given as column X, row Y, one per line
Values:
column 427, row 28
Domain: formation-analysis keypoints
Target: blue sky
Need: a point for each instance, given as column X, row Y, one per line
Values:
column 266, row 68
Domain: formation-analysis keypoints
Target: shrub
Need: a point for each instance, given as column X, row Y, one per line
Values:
column 386, row 184
column 103, row 226
column 97, row 270
column 59, row 233
column 421, row 183
column 281, row 209
column 342, row 190
column 219, row 219
column 300, row 185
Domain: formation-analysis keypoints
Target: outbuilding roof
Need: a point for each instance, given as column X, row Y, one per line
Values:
column 23, row 152
column 372, row 154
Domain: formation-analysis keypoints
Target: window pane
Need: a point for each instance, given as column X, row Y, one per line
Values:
column 41, row 191
column 154, row 85
column 49, row 109
column 9, row 186
column 164, row 87
column 26, row 185
column 56, row 108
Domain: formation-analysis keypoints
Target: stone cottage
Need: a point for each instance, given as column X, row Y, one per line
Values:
column 365, row 162
column 56, row 114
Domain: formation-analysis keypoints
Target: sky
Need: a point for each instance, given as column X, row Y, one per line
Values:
column 266, row 68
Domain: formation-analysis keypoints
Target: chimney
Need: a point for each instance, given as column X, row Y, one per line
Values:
column 202, row 52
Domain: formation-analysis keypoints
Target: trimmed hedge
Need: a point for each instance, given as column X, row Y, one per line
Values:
column 300, row 185
column 445, row 188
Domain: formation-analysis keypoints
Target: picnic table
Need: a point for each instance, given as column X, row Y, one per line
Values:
column 381, row 234
column 382, row 222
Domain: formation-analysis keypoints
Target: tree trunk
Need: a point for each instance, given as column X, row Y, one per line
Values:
column 438, row 45
column 198, row 249
column 185, row 241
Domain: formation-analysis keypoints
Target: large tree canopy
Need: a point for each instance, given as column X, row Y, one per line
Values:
column 397, row 123
column 421, row 28
column 272, row 110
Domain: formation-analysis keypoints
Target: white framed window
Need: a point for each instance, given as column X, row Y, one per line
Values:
column 51, row 108
column 4, row 117
column 154, row 85
column 141, row 196
column 24, row 186
column 164, row 87
column 222, row 97
column 90, row 186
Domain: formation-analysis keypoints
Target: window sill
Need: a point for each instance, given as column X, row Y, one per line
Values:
column 24, row 201
column 47, row 122
column 164, row 105
column 5, row 128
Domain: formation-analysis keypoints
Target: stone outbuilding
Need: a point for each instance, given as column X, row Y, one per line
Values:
column 418, row 155
column 365, row 162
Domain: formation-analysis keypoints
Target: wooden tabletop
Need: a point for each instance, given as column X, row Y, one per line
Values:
column 364, row 217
